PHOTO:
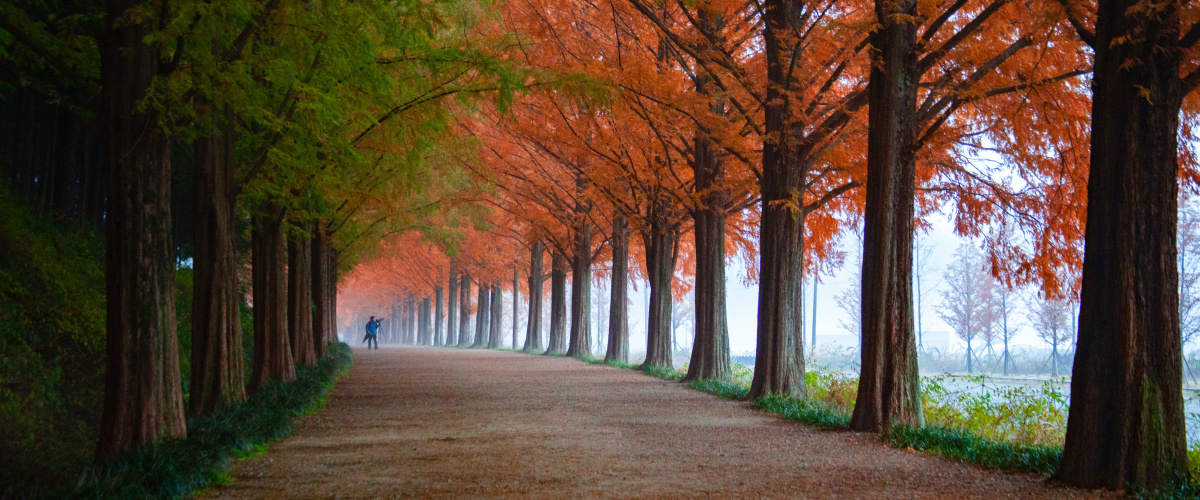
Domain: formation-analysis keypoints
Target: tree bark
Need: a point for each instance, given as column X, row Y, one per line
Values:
column 272, row 349
column 495, row 338
column 437, row 319
column 558, row 303
column 323, row 332
column 662, row 250
column 580, row 345
column 618, row 311
column 482, row 316
column 889, row 389
column 516, row 320
column 452, row 305
column 533, row 331
column 779, row 359
column 299, row 309
column 218, row 373
column 464, row 310
column 143, row 400
column 710, row 348
column 1126, row 423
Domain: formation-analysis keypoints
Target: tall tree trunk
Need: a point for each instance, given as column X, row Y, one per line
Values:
column 272, row 349
column 143, row 400
column 533, row 330
column 426, row 326
column 779, row 359
column 888, row 387
column 323, row 333
column 494, row 339
column 662, row 250
column 516, row 320
column 618, row 310
column 558, row 303
column 482, row 316
column 332, row 294
column 452, row 305
column 710, row 348
column 464, row 310
column 1126, row 426
column 218, row 374
column 580, row 345
column 300, row 325
column 413, row 324
column 437, row 319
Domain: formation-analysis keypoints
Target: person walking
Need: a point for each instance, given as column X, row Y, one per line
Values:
column 372, row 336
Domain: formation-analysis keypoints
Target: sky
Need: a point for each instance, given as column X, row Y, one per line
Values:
column 742, row 299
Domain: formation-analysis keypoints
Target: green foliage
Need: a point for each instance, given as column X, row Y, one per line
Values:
column 836, row 388
column 961, row 444
column 806, row 411
column 664, row 373
column 721, row 388
column 1027, row 415
column 51, row 348
column 179, row 467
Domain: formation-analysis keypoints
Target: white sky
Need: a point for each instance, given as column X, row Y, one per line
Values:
column 742, row 300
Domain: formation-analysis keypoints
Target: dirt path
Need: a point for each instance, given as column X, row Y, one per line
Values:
column 428, row 422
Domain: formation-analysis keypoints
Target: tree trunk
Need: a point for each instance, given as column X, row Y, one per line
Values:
column 272, row 350
column 218, row 374
column 437, row 319
column 494, row 339
column 332, row 295
column 323, row 332
column 300, row 325
column 482, row 316
column 143, row 400
column 558, row 303
column 516, row 320
column 1126, row 423
column 580, row 345
column 533, row 331
column 452, row 305
column 618, row 310
column 710, row 347
column 888, row 389
column 779, row 359
column 464, row 310
column 662, row 250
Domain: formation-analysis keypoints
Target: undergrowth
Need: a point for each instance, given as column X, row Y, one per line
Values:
column 179, row 467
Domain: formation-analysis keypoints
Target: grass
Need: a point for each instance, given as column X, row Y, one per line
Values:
column 180, row 467
column 966, row 446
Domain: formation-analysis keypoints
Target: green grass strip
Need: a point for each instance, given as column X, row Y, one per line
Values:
column 805, row 411
column 961, row 445
column 180, row 467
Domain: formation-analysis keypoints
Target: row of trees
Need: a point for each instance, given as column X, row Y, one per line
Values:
column 300, row 132
column 766, row 129
column 658, row 138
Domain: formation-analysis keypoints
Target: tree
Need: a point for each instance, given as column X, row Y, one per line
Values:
column 850, row 302
column 963, row 306
column 143, row 399
column 1126, row 426
column 533, row 334
column 1051, row 320
column 923, row 270
column 618, row 319
column 1004, row 306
